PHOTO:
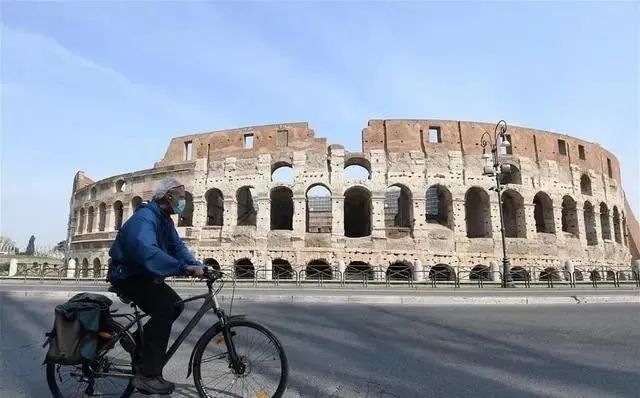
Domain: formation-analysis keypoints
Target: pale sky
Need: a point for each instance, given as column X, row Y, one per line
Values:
column 103, row 86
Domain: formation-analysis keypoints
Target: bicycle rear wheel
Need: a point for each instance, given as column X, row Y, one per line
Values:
column 72, row 381
column 266, row 367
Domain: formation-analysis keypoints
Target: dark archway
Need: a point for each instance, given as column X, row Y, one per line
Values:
column 102, row 216
column 118, row 214
column 358, row 270
column 90, row 218
column 513, row 214
column 585, row 185
column 569, row 216
column 357, row 212
column 211, row 262
column 480, row 272
column 398, row 211
column 85, row 268
column 400, row 271
column 319, row 215
column 616, row 225
column 477, row 213
column 439, row 206
column 281, row 269
column 590, row 224
column 97, row 268
column 519, row 274
column 281, row 208
column 247, row 213
column 543, row 213
column 605, row 225
column 244, row 269
column 549, row 273
column 185, row 219
column 442, row 272
column 318, row 269
column 513, row 176
column 215, row 207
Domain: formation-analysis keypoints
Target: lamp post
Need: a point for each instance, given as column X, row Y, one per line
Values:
column 495, row 169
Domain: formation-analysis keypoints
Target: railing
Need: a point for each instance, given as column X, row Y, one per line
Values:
column 365, row 277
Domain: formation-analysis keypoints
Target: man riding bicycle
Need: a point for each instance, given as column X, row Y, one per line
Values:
column 146, row 250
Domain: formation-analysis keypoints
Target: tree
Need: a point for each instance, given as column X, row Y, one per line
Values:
column 61, row 246
column 31, row 247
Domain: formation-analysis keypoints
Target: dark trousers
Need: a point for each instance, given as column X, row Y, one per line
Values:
column 158, row 300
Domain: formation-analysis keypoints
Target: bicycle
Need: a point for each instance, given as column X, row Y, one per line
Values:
column 113, row 368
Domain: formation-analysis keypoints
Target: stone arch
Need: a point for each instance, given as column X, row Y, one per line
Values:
column 398, row 211
column 616, row 225
column 121, row 186
column 519, row 274
column 577, row 275
column 570, row 216
column 93, row 193
column 185, row 219
column 480, row 272
column 358, row 270
column 400, row 271
column 82, row 221
column 282, row 172
column 281, row 208
column 281, row 269
column 319, row 206
column 585, row 185
column 513, row 176
column 549, row 273
column 90, row 218
column 357, row 212
column 611, row 275
column 513, row 214
column 590, row 224
column 605, row 225
column 439, row 206
column 97, row 268
column 212, row 262
column 442, row 272
column 477, row 208
column 247, row 213
column 357, row 168
column 594, row 275
column 215, row 207
column 318, row 269
column 543, row 213
column 85, row 268
column 244, row 269
column 102, row 216
column 118, row 214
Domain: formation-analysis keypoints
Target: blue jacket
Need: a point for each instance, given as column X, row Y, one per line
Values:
column 148, row 245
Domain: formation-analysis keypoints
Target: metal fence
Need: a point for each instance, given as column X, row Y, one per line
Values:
column 356, row 276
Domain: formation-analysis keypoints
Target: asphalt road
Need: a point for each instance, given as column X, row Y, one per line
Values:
column 397, row 351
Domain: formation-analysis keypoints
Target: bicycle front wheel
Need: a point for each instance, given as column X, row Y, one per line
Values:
column 265, row 363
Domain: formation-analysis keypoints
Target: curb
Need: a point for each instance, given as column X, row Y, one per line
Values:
column 374, row 299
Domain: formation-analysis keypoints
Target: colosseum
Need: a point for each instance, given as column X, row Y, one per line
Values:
column 274, row 201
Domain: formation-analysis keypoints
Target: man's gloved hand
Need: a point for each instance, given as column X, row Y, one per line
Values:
column 195, row 270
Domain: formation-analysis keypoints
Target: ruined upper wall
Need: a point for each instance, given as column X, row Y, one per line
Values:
column 404, row 135
column 219, row 145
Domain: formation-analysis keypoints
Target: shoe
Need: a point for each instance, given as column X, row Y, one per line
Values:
column 153, row 384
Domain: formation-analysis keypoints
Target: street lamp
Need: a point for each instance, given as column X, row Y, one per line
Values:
column 495, row 169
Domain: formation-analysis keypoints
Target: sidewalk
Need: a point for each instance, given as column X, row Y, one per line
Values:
column 369, row 295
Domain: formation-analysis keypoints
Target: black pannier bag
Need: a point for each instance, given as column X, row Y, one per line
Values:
column 73, row 339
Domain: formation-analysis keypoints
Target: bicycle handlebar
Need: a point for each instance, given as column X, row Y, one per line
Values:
column 211, row 274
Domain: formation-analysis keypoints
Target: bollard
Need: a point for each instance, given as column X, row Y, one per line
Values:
column 417, row 270
column 71, row 268
column 13, row 267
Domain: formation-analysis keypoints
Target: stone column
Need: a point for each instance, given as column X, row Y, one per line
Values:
column 230, row 215
column 581, row 227
column 263, row 219
column 13, row 267
column 377, row 216
column 568, row 267
column 341, row 268
column 530, row 221
column 337, row 219
column 71, row 268
column 268, row 266
column 299, row 215
column 557, row 221
column 109, row 221
column 419, row 215
column 199, row 212
column 127, row 211
column 598, row 227
column 459, row 217
column 418, row 271
column 494, row 269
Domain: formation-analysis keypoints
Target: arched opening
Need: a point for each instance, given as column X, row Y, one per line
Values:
column 85, row 268
column 513, row 215
column 135, row 202
column 400, row 271
column 281, row 208
column 282, row 173
column 82, row 221
column 616, row 225
column 611, row 275
column 442, row 272
column 569, row 216
column 357, row 169
column 90, row 218
column 97, row 268
column 519, row 274
column 185, row 219
column 398, row 211
column 244, row 269
column 121, row 186
column 102, row 216
column 211, row 262
column 480, row 272
column 543, row 213
column 477, row 208
column 118, row 213
column 319, row 216
column 93, row 193
column 358, row 270
column 246, row 207
column 577, row 275
column 357, row 212
column 76, row 265
column 594, row 275
column 318, row 269
column 512, row 176
column 590, row 224
column 585, row 185
column 439, row 206
column 605, row 225
column 549, row 273
column 625, row 231
column 281, row 269
column 215, row 207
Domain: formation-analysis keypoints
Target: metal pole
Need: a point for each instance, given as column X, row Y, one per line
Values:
column 506, row 274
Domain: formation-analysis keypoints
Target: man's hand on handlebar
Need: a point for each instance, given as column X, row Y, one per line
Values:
column 195, row 271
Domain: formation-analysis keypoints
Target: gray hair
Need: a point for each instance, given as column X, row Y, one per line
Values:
column 165, row 186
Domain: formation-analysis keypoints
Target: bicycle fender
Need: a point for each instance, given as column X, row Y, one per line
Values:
column 213, row 329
